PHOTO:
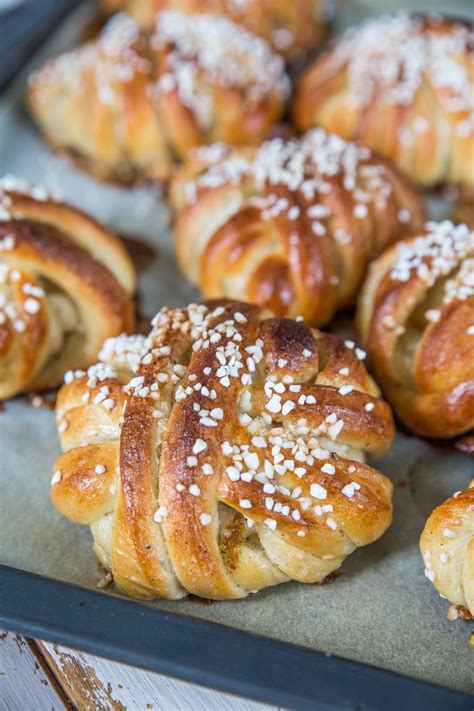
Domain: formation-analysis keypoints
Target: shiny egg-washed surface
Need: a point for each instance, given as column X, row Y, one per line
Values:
column 222, row 454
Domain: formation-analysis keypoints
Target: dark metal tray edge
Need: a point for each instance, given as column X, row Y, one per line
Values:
column 206, row 653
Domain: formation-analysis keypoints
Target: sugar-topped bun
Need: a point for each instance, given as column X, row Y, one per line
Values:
column 404, row 86
column 292, row 27
column 447, row 547
column 416, row 320
column 222, row 454
column 291, row 224
column 130, row 104
column 66, row 284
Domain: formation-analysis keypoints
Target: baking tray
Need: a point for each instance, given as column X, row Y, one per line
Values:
column 376, row 637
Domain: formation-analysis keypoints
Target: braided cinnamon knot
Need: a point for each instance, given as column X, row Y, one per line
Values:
column 130, row 105
column 447, row 547
column 290, row 225
column 292, row 28
column 222, row 454
column 66, row 284
column 404, row 86
column 416, row 319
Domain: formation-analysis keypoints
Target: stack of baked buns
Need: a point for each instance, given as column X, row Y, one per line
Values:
column 225, row 451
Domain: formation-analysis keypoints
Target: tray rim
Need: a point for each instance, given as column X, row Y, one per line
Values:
column 190, row 648
column 27, row 26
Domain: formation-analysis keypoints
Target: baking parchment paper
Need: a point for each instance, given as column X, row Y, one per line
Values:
column 380, row 609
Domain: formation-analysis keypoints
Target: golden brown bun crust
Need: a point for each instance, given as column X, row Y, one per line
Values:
column 416, row 320
column 59, row 298
column 447, row 547
column 292, row 28
column 223, row 454
column 290, row 225
column 404, row 87
column 129, row 104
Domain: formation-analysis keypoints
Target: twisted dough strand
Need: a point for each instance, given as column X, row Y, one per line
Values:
column 290, row 225
column 416, row 319
column 129, row 105
column 65, row 285
column 404, row 86
column 447, row 547
column 223, row 454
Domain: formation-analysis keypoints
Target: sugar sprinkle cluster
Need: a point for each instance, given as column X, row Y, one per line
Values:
column 434, row 254
column 18, row 310
column 12, row 184
column 201, row 51
column 305, row 166
column 445, row 250
column 116, row 56
column 277, row 444
column 227, row 54
column 14, row 308
column 394, row 55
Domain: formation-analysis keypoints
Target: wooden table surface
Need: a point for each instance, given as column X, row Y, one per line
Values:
column 42, row 676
